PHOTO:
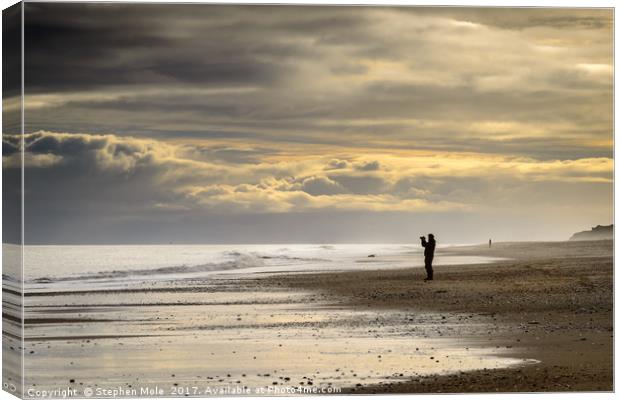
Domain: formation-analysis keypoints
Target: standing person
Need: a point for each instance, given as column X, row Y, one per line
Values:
column 489, row 243
column 429, row 253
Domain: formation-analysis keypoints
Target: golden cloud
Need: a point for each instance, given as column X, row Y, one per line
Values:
column 408, row 181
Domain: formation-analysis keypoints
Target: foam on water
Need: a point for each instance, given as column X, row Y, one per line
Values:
column 47, row 265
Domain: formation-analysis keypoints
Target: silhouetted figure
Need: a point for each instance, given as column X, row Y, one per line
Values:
column 429, row 253
column 489, row 243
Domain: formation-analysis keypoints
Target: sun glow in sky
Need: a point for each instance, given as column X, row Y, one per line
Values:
column 195, row 123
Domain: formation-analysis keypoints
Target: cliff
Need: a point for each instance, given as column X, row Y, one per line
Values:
column 599, row 232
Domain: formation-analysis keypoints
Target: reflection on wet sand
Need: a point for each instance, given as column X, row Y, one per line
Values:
column 245, row 339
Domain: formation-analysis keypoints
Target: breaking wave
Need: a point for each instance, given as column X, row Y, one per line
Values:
column 240, row 261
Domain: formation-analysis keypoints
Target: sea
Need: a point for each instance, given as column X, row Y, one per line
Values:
column 48, row 267
column 183, row 318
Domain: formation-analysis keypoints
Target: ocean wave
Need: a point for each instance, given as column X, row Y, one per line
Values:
column 240, row 261
column 292, row 258
column 11, row 278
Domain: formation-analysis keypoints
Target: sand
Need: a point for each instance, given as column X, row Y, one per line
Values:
column 548, row 301
column 539, row 319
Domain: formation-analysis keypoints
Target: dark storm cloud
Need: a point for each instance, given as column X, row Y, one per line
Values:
column 10, row 144
column 79, row 46
column 179, row 116
column 221, row 72
column 84, row 45
column 11, row 51
column 76, row 46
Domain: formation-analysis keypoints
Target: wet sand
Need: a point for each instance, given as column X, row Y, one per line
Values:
column 539, row 321
column 548, row 301
column 228, row 335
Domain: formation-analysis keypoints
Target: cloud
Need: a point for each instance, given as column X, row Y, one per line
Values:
column 337, row 164
column 361, row 184
column 369, row 166
column 32, row 160
column 329, row 75
column 144, row 174
column 244, row 110
column 321, row 185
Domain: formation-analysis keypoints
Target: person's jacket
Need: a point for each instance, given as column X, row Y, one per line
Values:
column 429, row 247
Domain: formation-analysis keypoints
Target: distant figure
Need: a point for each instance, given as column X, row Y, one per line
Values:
column 489, row 243
column 429, row 253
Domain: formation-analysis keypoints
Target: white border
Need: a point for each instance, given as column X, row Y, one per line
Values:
column 475, row 3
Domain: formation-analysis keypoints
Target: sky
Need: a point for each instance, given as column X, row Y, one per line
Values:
column 273, row 124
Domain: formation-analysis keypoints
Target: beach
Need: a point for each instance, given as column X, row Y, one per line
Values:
column 550, row 301
column 309, row 319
